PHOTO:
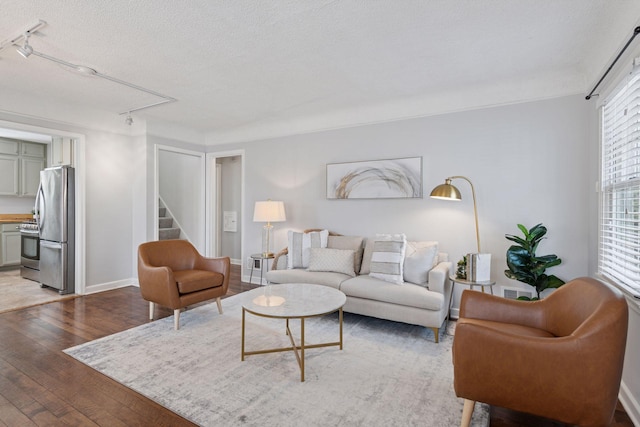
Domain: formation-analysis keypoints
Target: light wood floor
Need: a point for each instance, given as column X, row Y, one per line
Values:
column 16, row 292
column 41, row 386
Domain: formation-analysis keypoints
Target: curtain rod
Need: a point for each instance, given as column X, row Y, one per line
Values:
column 636, row 31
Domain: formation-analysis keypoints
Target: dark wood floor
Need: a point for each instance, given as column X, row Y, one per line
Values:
column 41, row 386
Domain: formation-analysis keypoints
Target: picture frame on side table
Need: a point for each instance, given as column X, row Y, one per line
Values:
column 376, row 179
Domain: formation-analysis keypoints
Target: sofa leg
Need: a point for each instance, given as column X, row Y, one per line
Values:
column 436, row 332
column 176, row 319
column 467, row 411
column 219, row 305
column 151, row 309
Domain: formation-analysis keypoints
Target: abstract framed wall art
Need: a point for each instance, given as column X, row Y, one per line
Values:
column 375, row 179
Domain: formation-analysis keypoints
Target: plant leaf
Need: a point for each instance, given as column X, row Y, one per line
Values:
column 516, row 239
column 524, row 230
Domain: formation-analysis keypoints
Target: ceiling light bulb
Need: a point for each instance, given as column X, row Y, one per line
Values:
column 26, row 49
column 129, row 120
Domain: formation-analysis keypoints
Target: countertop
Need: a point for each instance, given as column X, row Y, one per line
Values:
column 14, row 218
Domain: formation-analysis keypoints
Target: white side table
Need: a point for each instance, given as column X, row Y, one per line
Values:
column 264, row 259
column 454, row 280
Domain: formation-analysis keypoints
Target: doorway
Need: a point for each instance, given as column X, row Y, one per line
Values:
column 180, row 195
column 226, row 204
column 75, row 143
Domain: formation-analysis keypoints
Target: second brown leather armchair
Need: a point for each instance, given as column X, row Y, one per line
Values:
column 559, row 358
column 173, row 274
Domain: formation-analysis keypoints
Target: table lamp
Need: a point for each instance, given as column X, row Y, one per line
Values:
column 268, row 211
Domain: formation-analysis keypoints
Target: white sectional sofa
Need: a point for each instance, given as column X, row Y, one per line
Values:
column 421, row 298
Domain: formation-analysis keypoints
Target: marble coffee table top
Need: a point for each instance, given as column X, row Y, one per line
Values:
column 293, row 300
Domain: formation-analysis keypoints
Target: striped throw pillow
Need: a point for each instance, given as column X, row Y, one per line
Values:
column 387, row 258
column 300, row 245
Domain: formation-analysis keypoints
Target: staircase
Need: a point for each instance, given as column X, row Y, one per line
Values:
column 165, row 225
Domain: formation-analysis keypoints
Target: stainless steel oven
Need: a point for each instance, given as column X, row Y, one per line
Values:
column 30, row 251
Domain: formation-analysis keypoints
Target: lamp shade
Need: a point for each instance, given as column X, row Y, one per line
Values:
column 446, row 191
column 269, row 211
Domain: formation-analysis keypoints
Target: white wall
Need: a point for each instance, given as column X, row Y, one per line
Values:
column 529, row 164
column 21, row 205
column 109, row 208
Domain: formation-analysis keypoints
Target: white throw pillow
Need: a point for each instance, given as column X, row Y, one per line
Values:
column 387, row 259
column 419, row 259
column 299, row 245
column 349, row 242
column 335, row 260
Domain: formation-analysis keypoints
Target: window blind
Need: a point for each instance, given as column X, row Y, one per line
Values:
column 619, row 234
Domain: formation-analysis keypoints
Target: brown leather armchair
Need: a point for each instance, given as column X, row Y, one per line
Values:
column 559, row 358
column 173, row 274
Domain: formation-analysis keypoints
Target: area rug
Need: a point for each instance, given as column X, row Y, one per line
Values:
column 388, row 374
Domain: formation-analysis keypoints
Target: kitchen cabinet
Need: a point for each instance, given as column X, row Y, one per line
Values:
column 32, row 149
column 30, row 175
column 10, row 244
column 61, row 151
column 9, row 146
column 9, row 177
column 20, row 166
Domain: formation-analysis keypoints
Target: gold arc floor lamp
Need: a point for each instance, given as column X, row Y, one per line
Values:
column 448, row 191
column 268, row 211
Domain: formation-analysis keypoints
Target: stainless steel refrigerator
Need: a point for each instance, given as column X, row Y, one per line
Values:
column 55, row 216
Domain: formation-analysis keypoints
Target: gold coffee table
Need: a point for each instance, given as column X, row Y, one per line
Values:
column 292, row 301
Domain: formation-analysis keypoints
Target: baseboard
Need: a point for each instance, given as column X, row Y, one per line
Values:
column 631, row 405
column 102, row 287
column 236, row 261
column 454, row 313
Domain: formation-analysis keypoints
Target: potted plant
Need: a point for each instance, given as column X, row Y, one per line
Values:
column 461, row 271
column 525, row 266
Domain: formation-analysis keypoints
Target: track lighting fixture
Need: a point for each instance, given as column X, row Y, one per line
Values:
column 26, row 48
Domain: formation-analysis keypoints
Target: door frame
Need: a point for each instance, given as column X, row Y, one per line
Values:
column 212, row 199
column 79, row 163
column 156, row 171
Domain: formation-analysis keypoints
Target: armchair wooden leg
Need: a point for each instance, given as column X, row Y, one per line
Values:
column 176, row 319
column 219, row 305
column 151, row 309
column 467, row 411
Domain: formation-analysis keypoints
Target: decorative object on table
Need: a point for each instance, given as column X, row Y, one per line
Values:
column 376, row 179
column 525, row 266
column 268, row 211
column 461, row 271
column 478, row 267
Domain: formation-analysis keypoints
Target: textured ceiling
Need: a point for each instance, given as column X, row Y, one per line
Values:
column 245, row 68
